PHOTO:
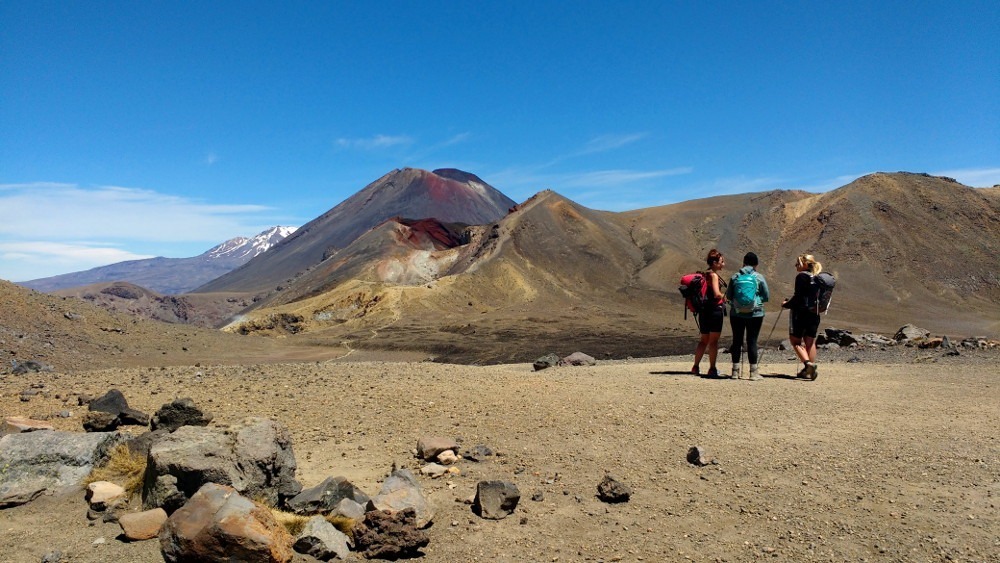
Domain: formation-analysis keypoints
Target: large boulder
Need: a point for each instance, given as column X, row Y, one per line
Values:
column 219, row 525
column 45, row 461
column 254, row 458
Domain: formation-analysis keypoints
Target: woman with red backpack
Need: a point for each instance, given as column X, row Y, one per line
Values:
column 711, row 315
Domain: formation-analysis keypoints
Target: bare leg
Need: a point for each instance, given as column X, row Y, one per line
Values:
column 713, row 348
column 700, row 350
column 809, row 345
column 801, row 349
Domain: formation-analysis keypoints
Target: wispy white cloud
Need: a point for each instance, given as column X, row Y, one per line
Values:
column 619, row 178
column 611, row 190
column 455, row 139
column 596, row 145
column 42, row 256
column 735, row 185
column 975, row 177
column 52, row 228
column 35, row 186
column 604, row 143
column 211, row 158
column 374, row 142
column 421, row 153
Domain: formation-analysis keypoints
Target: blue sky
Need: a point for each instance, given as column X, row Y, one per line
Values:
column 136, row 129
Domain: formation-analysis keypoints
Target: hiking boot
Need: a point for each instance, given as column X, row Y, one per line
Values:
column 804, row 372
column 755, row 373
column 712, row 373
column 736, row 372
column 696, row 371
column 810, row 370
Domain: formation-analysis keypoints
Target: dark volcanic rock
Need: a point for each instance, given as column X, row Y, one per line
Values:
column 324, row 497
column 114, row 402
column 389, row 535
column 612, row 490
column 179, row 412
column 496, row 500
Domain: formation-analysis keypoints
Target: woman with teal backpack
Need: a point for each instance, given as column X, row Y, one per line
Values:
column 747, row 293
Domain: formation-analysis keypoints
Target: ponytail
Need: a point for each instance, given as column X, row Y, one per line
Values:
column 809, row 261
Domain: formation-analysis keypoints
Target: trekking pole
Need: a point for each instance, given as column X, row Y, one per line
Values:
column 768, row 341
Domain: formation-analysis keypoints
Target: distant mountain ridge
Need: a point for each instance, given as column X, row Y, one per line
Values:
column 171, row 276
column 905, row 247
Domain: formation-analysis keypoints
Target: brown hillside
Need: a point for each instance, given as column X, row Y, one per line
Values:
column 905, row 248
column 198, row 309
column 71, row 335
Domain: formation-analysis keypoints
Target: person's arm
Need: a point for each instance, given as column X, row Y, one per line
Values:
column 762, row 289
column 803, row 283
column 716, row 292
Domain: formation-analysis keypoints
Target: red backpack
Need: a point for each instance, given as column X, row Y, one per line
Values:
column 694, row 289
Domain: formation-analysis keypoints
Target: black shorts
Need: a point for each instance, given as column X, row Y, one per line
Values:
column 803, row 323
column 710, row 320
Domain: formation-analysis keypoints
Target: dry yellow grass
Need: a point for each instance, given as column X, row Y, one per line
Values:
column 124, row 467
column 293, row 523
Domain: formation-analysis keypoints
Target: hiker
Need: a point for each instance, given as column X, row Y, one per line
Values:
column 747, row 293
column 803, row 319
column 711, row 314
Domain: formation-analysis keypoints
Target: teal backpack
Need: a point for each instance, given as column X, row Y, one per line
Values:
column 745, row 298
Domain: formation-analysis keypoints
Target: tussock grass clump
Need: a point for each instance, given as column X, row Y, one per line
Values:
column 342, row 523
column 293, row 523
column 123, row 466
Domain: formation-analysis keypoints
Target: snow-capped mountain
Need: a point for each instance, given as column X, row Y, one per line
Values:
column 247, row 248
column 171, row 275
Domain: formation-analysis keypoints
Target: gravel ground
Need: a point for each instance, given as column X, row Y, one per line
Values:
column 890, row 455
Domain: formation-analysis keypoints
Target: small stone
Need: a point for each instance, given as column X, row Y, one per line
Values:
column 433, row 470
column 19, row 424
column 611, row 490
column 447, row 457
column 102, row 494
column 696, row 456
column 140, row 526
column 430, row 447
